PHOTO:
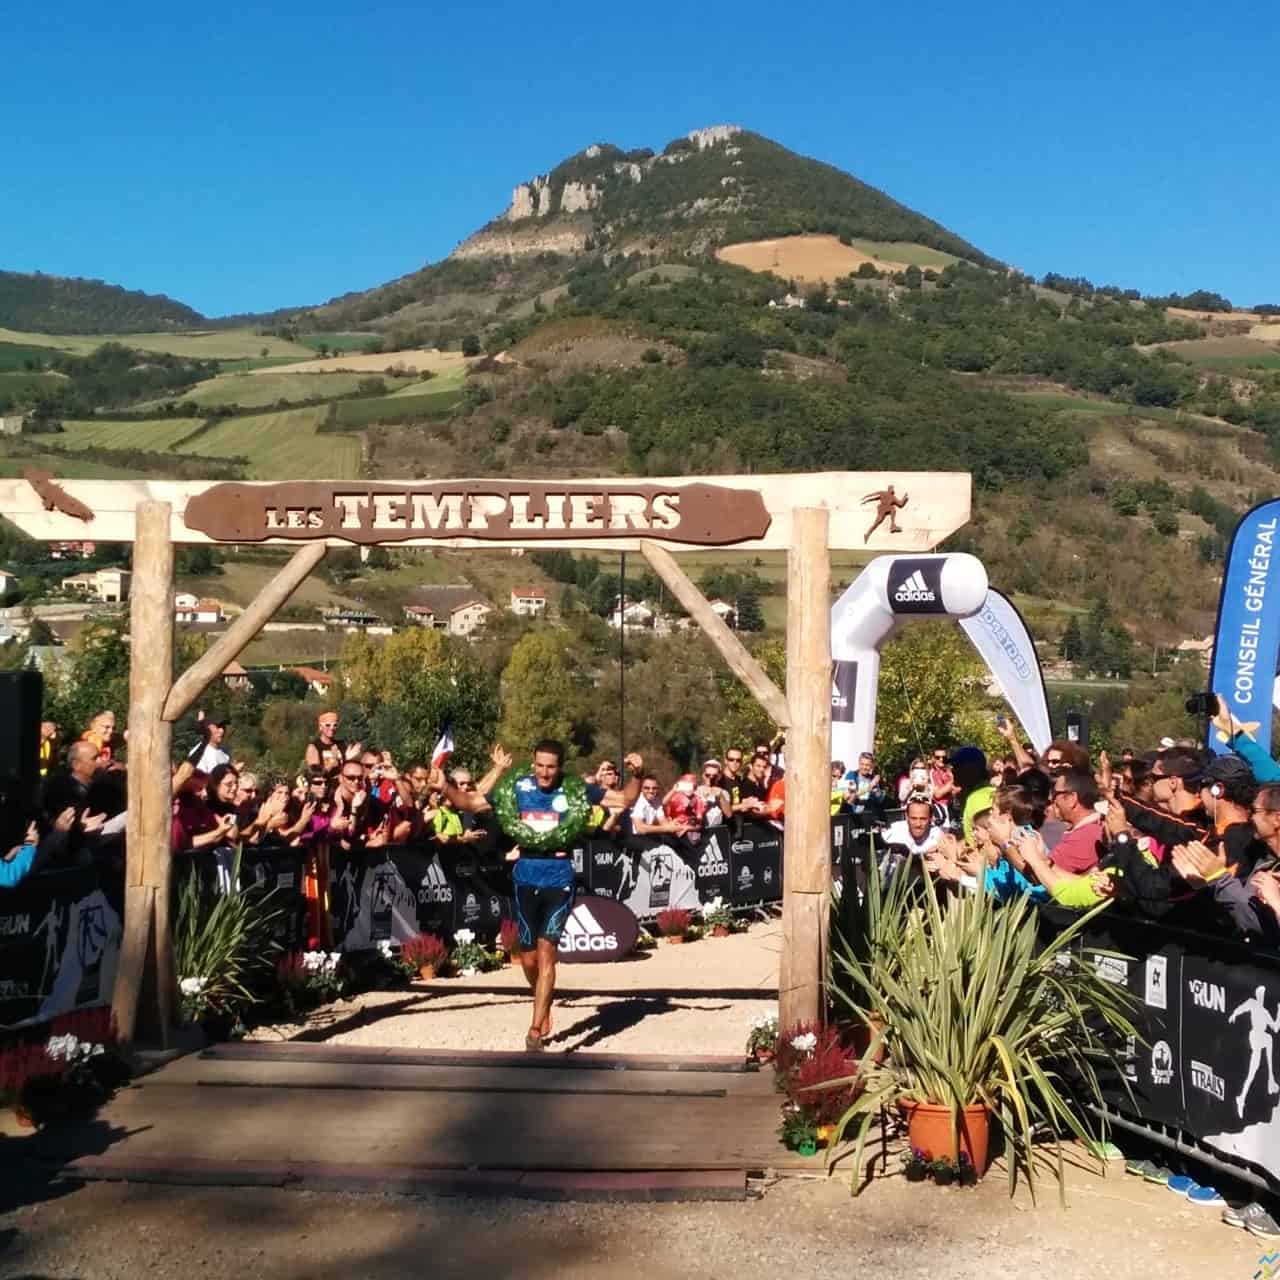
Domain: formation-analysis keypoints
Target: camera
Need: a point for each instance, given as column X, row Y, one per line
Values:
column 1202, row 705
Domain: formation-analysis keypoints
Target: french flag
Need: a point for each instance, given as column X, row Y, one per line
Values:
column 443, row 749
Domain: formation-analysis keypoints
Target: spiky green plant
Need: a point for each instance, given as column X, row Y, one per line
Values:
column 224, row 939
column 974, row 1008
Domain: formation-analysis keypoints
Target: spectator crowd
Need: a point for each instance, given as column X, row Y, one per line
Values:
column 1175, row 834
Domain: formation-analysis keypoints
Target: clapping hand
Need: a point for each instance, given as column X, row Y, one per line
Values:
column 1196, row 863
column 1266, row 888
column 65, row 820
column 92, row 822
column 1116, row 821
column 634, row 761
column 501, row 757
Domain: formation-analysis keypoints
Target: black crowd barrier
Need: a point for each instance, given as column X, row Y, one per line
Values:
column 1204, row 1064
column 59, row 939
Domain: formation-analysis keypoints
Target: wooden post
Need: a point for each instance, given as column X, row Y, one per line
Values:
column 806, row 903
column 731, row 649
column 146, row 951
column 203, row 672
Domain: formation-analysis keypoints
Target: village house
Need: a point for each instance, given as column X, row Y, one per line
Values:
column 72, row 550
column 461, row 611
column 351, row 618
column 111, row 586
column 195, row 609
column 318, row 682
column 631, row 613
column 234, row 676
column 1199, row 649
column 8, row 583
column 528, row 602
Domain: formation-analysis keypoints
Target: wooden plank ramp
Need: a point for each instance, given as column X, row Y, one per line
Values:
column 582, row 1126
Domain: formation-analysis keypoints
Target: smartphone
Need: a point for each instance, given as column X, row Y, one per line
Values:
column 1001, row 722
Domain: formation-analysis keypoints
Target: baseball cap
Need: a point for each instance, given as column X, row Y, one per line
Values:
column 1228, row 769
column 713, row 761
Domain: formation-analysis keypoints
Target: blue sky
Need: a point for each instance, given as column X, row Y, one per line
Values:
column 255, row 156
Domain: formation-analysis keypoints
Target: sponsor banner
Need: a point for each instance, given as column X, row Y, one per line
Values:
column 598, row 930
column 59, row 942
column 1001, row 637
column 915, row 585
column 394, row 893
column 1151, row 1081
column 755, row 864
column 1247, row 639
column 281, row 872
column 844, row 687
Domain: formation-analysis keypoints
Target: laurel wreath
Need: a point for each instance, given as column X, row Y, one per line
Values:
column 572, row 822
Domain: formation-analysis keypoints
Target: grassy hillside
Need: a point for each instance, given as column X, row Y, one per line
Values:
column 213, row 344
column 156, row 434
column 54, row 304
column 281, row 445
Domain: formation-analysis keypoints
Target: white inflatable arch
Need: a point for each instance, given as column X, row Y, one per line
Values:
column 893, row 589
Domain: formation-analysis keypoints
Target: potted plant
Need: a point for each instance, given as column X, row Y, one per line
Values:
column 798, row 1131
column 717, row 917
column 426, row 953
column 915, row 1165
column 762, row 1037
column 673, row 924
column 468, row 956
column 509, row 940
column 980, row 1021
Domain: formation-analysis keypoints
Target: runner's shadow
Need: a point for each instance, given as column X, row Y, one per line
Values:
column 618, row 1016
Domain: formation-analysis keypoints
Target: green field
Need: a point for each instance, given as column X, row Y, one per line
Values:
column 65, row 465
column 451, row 380
column 337, row 341
column 210, row 344
column 910, row 255
column 155, row 434
column 12, row 383
column 261, row 390
column 355, row 414
column 1075, row 404
column 282, row 446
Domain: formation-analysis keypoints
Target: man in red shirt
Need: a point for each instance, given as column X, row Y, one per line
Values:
column 1072, row 800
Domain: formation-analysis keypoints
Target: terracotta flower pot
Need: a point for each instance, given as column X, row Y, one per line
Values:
column 763, row 1054
column 720, row 931
column 862, row 1035
column 929, row 1130
column 674, row 938
column 426, row 972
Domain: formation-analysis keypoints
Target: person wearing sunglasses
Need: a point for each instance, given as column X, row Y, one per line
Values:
column 716, row 799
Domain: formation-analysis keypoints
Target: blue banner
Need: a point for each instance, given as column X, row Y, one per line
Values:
column 1247, row 642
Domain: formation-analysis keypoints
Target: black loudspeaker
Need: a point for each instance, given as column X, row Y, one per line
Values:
column 21, row 694
column 1078, row 728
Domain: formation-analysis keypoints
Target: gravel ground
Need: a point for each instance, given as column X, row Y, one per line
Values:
column 695, row 998
column 1117, row 1228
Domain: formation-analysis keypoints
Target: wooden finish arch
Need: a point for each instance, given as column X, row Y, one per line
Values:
column 805, row 515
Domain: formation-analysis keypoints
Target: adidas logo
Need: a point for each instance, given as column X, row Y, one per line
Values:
column 582, row 932
column 915, row 590
column 435, row 886
column 711, row 863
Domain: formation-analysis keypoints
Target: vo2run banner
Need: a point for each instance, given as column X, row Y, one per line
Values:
column 1247, row 641
column 1212, row 1044
column 59, row 942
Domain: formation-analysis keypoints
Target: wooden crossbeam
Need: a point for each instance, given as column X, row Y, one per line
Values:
column 202, row 673
column 731, row 649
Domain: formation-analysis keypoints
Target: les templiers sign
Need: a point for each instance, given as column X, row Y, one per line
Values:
column 700, row 514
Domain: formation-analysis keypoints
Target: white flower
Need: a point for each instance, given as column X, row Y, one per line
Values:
column 714, row 905
column 469, row 972
column 764, row 1022
column 62, row 1048
column 193, row 986
column 464, row 937
column 384, row 949
column 806, row 1043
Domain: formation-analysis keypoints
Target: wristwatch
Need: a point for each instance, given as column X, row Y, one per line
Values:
column 1123, row 839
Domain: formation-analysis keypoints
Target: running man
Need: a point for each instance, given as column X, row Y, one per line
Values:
column 1262, row 1026
column 543, row 881
column 888, row 504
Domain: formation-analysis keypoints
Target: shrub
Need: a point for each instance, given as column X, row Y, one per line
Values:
column 425, row 949
column 673, row 922
column 509, row 936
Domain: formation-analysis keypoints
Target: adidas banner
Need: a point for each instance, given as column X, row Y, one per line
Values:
column 597, row 930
